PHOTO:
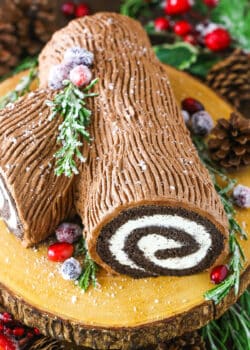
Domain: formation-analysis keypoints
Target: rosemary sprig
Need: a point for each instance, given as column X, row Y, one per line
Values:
column 21, row 89
column 237, row 255
column 232, row 329
column 70, row 103
column 90, row 268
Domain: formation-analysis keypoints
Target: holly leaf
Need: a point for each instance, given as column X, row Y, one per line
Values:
column 203, row 64
column 179, row 55
column 235, row 16
column 200, row 8
column 134, row 8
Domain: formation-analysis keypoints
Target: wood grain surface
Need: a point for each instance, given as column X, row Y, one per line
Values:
column 123, row 312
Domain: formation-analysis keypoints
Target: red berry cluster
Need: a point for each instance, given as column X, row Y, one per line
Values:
column 216, row 39
column 70, row 9
column 13, row 335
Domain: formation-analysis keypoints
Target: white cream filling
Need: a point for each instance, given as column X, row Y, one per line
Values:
column 151, row 243
column 12, row 221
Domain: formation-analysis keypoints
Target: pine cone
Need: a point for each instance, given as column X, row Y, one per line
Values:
column 9, row 50
column 231, row 78
column 230, row 142
column 25, row 26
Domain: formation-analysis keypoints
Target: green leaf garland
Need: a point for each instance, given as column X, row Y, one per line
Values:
column 232, row 330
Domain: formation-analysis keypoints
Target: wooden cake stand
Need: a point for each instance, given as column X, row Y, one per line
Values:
column 123, row 312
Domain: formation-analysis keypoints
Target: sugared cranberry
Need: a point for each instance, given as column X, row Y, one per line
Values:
column 80, row 75
column 211, row 3
column 8, row 331
column 59, row 252
column 82, row 10
column 191, row 39
column 71, row 269
column 18, row 331
column 76, row 55
column 186, row 116
column 57, row 74
column 218, row 39
column 6, row 317
column 182, row 28
column 7, row 344
column 191, row 105
column 219, row 273
column 201, row 123
column 241, row 196
column 161, row 23
column 68, row 8
column 177, row 7
column 68, row 232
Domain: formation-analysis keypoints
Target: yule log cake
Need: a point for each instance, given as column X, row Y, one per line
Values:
column 148, row 205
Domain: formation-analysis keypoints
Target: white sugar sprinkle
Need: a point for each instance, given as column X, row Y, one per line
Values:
column 142, row 165
column 74, row 299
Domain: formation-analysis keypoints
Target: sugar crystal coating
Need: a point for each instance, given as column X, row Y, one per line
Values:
column 71, row 269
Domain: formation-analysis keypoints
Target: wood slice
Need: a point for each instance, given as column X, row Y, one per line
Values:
column 123, row 312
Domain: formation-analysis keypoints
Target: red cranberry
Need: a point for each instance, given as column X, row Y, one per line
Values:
column 18, row 331
column 36, row 331
column 211, row 3
column 177, row 7
column 7, row 344
column 217, row 40
column 59, row 252
column 192, row 105
column 82, row 10
column 191, row 39
column 68, row 8
column 161, row 23
column 30, row 334
column 219, row 273
column 182, row 28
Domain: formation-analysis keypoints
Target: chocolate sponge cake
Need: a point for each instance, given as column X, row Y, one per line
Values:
column 148, row 204
column 33, row 200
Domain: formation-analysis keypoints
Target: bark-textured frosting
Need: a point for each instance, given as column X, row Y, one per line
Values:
column 142, row 162
column 33, row 200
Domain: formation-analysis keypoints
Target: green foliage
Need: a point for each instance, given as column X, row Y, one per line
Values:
column 70, row 103
column 179, row 55
column 203, row 64
column 235, row 16
column 27, row 63
column 21, row 89
column 135, row 8
column 232, row 329
column 218, row 293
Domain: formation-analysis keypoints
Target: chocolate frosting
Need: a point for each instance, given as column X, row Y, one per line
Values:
column 28, row 142
column 142, row 153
